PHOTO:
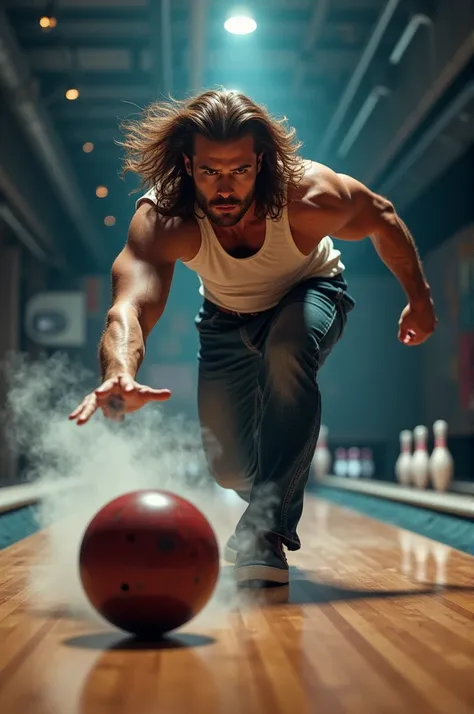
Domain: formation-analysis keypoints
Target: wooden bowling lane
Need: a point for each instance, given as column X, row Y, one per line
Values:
column 375, row 620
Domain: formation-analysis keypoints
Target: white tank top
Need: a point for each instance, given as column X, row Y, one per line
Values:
column 258, row 282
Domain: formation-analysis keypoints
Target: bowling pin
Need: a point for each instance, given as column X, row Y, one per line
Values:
column 321, row 464
column 367, row 463
column 420, row 471
column 353, row 462
column 403, row 463
column 441, row 464
column 340, row 462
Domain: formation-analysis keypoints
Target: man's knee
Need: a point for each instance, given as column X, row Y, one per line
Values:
column 292, row 353
column 230, row 478
column 225, row 460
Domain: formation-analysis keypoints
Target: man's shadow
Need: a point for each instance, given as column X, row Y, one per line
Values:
column 302, row 590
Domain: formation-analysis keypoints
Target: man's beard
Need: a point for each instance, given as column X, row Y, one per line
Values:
column 222, row 218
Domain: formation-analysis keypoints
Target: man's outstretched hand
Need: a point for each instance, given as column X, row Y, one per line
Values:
column 116, row 397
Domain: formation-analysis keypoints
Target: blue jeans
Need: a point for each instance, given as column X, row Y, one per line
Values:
column 259, row 402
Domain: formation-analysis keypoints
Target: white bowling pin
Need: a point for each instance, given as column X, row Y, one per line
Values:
column 441, row 462
column 354, row 468
column 420, row 472
column 321, row 464
column 340, row 462
column 403, row 463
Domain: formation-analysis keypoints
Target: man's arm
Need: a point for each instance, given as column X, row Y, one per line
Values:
column 141, row 280
column 333, row 204
column 368, row 214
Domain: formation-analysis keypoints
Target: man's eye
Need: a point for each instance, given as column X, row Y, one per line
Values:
column 210, row 172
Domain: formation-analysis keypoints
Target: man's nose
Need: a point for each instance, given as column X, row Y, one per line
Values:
column 225, row 186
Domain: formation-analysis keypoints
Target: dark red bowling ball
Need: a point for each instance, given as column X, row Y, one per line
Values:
column 149, row 562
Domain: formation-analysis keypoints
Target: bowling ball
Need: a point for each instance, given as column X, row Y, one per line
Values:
column 149, row 562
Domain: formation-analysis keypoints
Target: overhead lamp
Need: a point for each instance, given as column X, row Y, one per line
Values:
column 48, row 23
column 71, row 94
column 101, row 191
column 240, row 25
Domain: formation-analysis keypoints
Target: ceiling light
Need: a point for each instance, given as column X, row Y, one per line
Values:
column 71, row 94
column 88, row 147
column 101, row 191
column 48, row 22
column 240, row 25
column 109, row 220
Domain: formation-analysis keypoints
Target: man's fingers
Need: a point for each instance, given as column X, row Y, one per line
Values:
column 86, row 413
column 115, row 398
column 410, row 337
column 124, row 382
column 154, row 395
column 85, row 410
column 76, row 411
column 107, row 386
column 402, row 333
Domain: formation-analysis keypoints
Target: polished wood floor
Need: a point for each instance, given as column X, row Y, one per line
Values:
column 376, row 621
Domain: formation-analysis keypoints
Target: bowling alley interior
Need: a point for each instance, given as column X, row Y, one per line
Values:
column 117, row 593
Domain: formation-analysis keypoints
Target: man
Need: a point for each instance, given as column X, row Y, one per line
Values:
column 231, row 198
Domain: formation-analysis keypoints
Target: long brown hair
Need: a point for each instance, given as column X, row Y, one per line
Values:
column 155, row 145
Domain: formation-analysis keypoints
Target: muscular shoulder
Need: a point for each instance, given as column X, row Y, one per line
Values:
column 326, row 203
column 324, row 188
column 317, row 205
column 163, row 239
column 320, row 185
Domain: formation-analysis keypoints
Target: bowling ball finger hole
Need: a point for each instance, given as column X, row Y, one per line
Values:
column 166, row 544
column 125, row 587
column 131, row 538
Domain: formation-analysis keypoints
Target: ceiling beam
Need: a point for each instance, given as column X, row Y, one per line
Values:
column 125, row 94
column 85, row 29
column 136, row 10
column 92, row 111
